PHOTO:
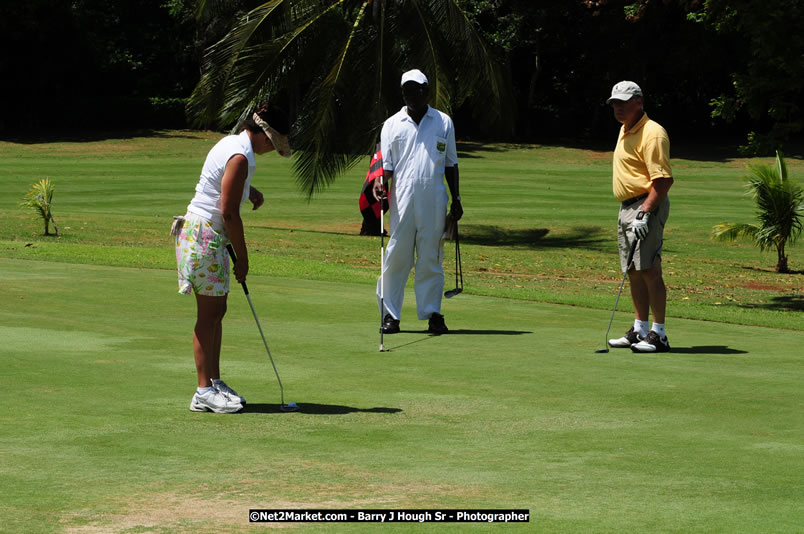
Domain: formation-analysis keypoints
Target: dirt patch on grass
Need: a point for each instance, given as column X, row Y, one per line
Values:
column 176, row 513
column 229, row 509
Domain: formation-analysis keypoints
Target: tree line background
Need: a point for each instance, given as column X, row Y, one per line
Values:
column 712, row 70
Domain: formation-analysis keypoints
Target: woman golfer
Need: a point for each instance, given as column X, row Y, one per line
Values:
column 213, row 221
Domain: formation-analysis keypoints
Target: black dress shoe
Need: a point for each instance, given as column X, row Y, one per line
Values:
column 437, row 325
column 389, row 325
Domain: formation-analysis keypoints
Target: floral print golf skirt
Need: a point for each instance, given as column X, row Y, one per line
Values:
column 201, row 257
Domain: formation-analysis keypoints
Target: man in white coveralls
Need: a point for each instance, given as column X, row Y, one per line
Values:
column 418, row 149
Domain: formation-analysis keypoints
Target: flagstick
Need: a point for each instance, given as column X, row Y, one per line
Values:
column 382, row 276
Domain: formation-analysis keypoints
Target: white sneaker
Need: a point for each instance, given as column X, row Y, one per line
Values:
column 214, row 401
column 222, row 387
column 626, row 341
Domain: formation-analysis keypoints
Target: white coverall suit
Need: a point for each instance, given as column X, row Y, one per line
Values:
column 417, row 155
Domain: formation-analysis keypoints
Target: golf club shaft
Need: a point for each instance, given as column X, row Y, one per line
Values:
column 259, row 327
column 619, row 292
column 265, row 342
column 458, row 266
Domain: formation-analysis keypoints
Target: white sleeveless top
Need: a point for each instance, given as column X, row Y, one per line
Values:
column 207, row 200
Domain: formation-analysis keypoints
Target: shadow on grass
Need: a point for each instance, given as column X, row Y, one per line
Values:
column 303, row 230
column 317, row 409
column 706, row 349
column 794, row 303
column 466, row 332
column 593, row 237
column 468, row 149
column 769, row 270
column 489, row 332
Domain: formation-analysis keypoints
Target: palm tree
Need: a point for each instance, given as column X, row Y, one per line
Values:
column 338, row 64
column 781, row 206
column 40, row 198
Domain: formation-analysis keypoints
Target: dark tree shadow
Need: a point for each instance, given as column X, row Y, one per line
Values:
column 317, row 409
column 468, row 149
column 794, row 303
column 303, row 230
column 469, row 332
column 706, row 349
column 593, row 237
column 769, row 270
column 488, row 332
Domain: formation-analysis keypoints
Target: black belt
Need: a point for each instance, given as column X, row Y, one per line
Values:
column 630, row 201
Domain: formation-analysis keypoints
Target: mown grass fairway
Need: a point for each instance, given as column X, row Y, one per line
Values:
column 512, row 410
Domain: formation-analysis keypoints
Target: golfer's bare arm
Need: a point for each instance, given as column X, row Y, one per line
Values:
column 658, row 190
column 232, row 185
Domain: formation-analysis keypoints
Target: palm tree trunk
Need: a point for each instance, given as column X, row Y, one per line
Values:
column 781, row 265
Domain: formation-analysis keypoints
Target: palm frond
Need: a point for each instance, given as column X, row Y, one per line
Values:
column 315, row 166
column 339, row 62
column 734, row 232
column 781, row 166
column 223, row 86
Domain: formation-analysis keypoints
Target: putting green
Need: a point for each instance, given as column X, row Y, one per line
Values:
column 512, row 410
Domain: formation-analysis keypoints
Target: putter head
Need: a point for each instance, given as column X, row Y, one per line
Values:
column 452, row 292
column 289, row 407
column 601, row 351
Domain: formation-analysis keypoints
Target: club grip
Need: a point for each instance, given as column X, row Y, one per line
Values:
column 234, row 260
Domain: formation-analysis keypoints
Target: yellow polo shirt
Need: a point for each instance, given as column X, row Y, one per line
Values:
column 642, row 154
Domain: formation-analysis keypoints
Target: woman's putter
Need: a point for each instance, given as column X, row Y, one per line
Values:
column 291, row 406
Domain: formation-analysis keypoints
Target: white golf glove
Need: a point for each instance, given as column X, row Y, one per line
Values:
column 640, row 225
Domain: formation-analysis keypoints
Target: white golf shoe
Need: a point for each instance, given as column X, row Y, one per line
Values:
column 224, row 388
column 630, row 338
column 652, row 343
column 214, row 401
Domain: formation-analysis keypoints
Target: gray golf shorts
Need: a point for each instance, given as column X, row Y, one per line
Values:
column 649, row 249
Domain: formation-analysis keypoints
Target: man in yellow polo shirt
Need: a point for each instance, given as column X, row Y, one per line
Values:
column 641, row 180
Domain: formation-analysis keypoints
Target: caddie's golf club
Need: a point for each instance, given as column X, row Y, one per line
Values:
column 458, row 269
column 382, row 274
column 290, row 407
column 625, row 274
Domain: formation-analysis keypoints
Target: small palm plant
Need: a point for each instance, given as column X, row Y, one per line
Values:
column 781, row 206
column 40, row 198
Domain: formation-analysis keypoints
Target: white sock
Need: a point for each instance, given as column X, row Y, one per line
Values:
column 201, row 391
column 641, row 327
column 659, row 329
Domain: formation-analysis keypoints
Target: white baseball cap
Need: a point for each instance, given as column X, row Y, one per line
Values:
column 414, row 75
column 624, row 91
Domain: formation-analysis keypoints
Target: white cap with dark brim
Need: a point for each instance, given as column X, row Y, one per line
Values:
column 414, row 75
column 624, row 91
